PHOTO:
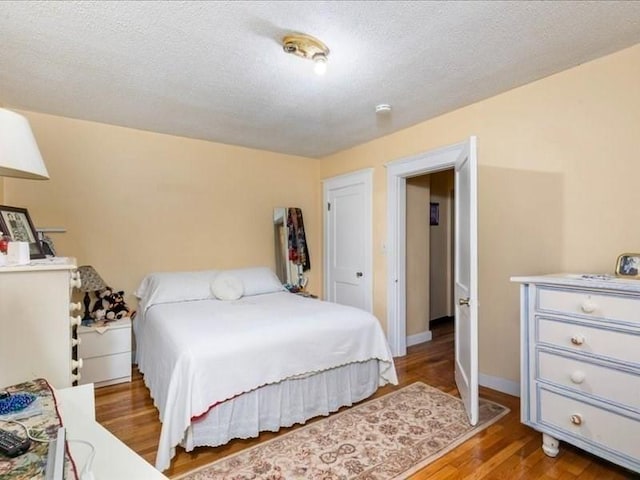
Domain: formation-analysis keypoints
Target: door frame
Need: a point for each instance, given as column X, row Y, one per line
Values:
column 362, row 177
column 398, row 171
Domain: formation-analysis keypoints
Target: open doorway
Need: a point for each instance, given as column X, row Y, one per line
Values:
column 462, row 158
column 429, row 238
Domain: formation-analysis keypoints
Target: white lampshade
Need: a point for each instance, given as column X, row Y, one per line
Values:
column 19, row 154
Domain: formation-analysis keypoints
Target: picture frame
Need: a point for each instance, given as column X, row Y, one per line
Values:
column 16, row 223
column 628, row 265
column 434, row 213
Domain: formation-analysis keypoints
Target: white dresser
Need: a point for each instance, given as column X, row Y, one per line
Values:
column 580, row 365
column 36, row 322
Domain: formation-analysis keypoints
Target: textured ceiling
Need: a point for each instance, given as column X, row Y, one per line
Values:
column 216, row 70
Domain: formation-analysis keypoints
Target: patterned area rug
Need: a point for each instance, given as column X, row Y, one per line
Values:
column 388, row 438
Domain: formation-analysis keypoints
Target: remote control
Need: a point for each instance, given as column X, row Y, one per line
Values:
column 12, row 445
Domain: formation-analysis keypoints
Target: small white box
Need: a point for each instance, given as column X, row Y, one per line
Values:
column 18, row 253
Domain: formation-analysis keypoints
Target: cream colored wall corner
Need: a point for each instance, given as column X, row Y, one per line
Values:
column 556, row 171
column 440, row 247
column 135, row 202
column 418, row 192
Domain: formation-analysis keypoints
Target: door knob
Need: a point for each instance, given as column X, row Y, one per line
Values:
column 463, row 301
column 358, row 274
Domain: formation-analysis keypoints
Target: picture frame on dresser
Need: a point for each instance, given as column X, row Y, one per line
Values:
column 628, row 265
column 16, row 223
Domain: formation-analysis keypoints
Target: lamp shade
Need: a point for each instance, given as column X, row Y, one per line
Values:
column 19, row 153
column 90, row 280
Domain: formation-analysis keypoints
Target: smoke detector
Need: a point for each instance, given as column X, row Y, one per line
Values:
column 383, row 108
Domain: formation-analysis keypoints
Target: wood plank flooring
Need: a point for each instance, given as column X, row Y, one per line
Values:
column 506, row 450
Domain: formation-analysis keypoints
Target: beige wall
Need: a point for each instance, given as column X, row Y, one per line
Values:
column 440, row 247
column 135, row 202
column 418, row 192
column 553, row 158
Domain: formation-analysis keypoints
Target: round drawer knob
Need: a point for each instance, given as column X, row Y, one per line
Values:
column 76, row 364
column 588, row 306
column 75, row 321
column 578, row 377
column 576, row 419
column 73, row 306
column 577, row 339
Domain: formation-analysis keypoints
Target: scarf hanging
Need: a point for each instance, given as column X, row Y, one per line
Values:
column 298, row 252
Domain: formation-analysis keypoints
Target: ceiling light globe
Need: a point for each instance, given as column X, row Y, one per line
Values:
column 320, row 66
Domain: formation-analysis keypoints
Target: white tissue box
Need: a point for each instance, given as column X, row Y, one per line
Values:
column 18, row 253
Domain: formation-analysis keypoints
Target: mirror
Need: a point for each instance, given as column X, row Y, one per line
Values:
column 291, row 252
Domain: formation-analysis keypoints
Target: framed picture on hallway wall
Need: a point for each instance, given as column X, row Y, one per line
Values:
column 16, row 223
column 434, row 213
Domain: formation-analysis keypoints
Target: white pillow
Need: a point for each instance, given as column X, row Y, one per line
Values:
column 257, row 280
column 165, row 287
column 227, row 287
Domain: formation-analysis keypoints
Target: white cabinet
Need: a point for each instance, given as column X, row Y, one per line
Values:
column 106, row 353
column 36, row 320
column 580, row 365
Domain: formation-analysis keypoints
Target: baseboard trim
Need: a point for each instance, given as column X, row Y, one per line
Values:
column 500, row 384
column 419, row 338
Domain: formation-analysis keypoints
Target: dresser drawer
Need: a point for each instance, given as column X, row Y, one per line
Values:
column 94, row 344
column 598, row 426
column 606, row 383
column 588, row 304
column 615, row 345
column 106, row 370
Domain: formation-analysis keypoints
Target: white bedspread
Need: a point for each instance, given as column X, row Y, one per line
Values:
column 198, row 353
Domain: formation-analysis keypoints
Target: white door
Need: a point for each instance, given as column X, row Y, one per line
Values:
column 462, row 157
column 466, row 281
column 348, row 270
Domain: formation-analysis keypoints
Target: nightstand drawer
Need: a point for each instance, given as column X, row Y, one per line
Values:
column 612, row 344
column 588, row 304
column 94, row 344
column 591, row 379
column 590, row 423
column 107, row 370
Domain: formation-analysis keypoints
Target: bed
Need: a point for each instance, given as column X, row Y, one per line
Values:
column 224, row 363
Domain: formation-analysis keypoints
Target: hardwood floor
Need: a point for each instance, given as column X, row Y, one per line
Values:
column 505, row 450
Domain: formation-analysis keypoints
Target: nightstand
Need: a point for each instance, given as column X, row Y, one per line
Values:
column 106, row 356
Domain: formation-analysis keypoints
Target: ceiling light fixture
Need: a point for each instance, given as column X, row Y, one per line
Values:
column 308, row 47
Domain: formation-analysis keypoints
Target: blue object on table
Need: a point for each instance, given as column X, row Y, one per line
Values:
column 15, row 402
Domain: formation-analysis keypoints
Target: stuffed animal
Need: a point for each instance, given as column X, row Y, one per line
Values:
column 109, row 306
column 117, row 312
column 102, row 303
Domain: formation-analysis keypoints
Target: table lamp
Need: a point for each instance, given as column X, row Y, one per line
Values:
column 19, row 153
column 90, row 282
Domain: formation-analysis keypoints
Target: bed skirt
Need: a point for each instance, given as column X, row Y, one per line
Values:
column 283, row 404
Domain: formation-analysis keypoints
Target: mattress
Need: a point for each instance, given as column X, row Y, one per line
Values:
column 198, row 354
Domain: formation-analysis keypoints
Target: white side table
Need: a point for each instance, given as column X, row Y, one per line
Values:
column 113, row 459
column 106, row 355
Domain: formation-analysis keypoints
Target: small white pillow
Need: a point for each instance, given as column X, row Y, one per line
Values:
column 227, row 287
